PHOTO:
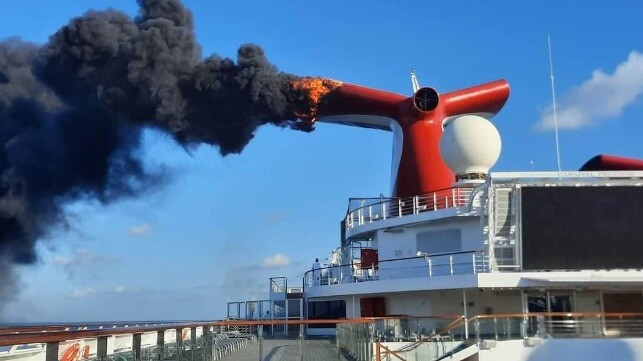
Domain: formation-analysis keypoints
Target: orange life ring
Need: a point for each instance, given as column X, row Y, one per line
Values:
column 86, row 352
column 71, row 353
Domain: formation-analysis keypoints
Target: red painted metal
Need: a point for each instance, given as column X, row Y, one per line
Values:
column 368, row 258
column 610, row 162
column 421, row 169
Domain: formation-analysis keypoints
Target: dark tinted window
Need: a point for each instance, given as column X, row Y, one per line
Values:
column 582, row 227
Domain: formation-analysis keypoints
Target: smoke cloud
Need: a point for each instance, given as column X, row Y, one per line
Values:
column 72, row 112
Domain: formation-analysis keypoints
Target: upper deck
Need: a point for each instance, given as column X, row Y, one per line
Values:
column 577, row 226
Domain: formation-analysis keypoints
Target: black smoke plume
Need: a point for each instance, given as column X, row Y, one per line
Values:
column 72, row 112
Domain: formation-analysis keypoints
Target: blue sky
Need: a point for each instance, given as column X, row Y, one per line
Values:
column 224, row 225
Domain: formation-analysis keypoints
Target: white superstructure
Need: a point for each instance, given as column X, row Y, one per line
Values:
column 502, row 266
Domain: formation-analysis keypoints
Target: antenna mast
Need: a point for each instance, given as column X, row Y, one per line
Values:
column 414, row 81
column 553, row 98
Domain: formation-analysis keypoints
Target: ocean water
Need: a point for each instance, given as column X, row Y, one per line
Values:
column 91, row 325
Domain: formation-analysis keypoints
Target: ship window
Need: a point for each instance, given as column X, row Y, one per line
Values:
column 439, row 241
column 322, row 310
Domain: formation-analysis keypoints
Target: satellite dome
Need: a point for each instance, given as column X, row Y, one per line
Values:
column 470, row 145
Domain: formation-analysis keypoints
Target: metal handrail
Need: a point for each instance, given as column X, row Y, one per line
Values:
column 402, row 259
column 397, row 207
column 479, row 263
column 44, row 336
column 20, row 335
column 568, row 317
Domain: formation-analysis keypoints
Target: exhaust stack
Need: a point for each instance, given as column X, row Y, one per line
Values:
column 416, row 121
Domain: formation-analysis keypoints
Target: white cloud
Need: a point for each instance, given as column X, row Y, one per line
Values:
column 78, row 258
column 141, row 230
column 63, row 260
column 601, row 97
column 119, row 289
column 87, row 292
column 275, row 261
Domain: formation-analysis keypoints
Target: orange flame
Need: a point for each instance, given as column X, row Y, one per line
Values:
column 314, row 90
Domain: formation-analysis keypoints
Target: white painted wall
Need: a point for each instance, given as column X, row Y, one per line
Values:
column 588, row 301
column 449, row 302
column 403, row 244
column 565, row 350
column 411, row 304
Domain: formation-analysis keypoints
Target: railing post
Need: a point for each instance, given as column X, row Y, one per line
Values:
column 193, row 343
column 136, row 346
column 369, row 342
column 384, row 210
column 377, row 351
column 260, row 334
column 360, row 216
column 301, row 342
column 542, row 330
column 416, row 205
column 399, row 207
column 101, row 349
column 473, row 262
column 430, row 267
column 495, row 327
column 179, row 343
column 451, row 264
column 476, row 326
column 435, row 201
column 207, row 342
column 51, row 351
column 370, row 214
column 455, row 201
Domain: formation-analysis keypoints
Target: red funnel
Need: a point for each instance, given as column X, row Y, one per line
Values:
column 420, row 168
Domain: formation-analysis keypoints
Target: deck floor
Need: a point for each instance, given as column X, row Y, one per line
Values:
column 288, row 350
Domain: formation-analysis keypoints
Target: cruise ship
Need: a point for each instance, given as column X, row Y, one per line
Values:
column 463, row 263
column 458, row 263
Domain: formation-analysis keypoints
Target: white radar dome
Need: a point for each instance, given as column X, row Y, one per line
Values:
column 470, row 145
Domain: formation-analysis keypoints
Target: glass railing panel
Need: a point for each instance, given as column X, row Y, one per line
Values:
column 502, row 328
column 199, row 345
column 70, row 350
column 122, row 348
column 356, row 340
column 409, row 329
column 149, row 346
column 170, row 346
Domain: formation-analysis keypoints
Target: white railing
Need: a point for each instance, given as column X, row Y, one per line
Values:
column 549, row 325
column 445, row 264
column 362, row 211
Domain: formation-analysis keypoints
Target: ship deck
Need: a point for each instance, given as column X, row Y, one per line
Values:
column 315, row 349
